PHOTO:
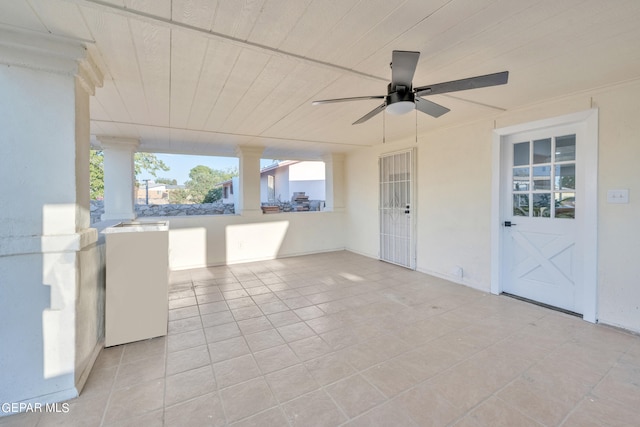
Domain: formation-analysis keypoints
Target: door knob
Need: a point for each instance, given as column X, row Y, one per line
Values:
column 509, row 224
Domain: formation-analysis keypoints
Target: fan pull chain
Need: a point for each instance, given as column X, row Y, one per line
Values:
column 416, row 125
column 384, row 115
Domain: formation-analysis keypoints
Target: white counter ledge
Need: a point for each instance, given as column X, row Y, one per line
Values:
column 137, row 226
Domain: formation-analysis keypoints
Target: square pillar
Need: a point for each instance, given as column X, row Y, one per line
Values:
column 49, row 263
column 334, row 182
column 249, row 181
column 119, row 177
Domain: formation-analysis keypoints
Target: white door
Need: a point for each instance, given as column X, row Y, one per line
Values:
column 541, row 207
column 397, row 244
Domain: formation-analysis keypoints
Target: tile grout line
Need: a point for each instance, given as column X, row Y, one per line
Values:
column 278, row 404
column 301, row 363
column 111, row 390
column 213, row 372
column 442, row 372
column 509, row 383
column 590, row 391
column 166, row 360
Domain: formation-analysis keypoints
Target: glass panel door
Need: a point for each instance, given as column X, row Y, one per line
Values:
column 540, row 251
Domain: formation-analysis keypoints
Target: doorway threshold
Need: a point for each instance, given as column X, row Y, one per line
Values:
column 541, row 304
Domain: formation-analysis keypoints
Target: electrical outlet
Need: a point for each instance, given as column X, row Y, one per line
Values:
column 618, row 196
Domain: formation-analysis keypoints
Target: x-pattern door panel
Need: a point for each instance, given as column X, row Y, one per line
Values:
column 543, row 272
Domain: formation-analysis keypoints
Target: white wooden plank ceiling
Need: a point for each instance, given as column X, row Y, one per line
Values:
column 205, row 76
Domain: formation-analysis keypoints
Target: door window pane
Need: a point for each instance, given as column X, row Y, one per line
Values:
column 542, row 205
column 542, row 171
column 542, row 184
column 521, row 179
column 542, row 151
column 565, row 205
column 520, row 184
column 521, row 173
column 565, row 148
column 565, row 177
column 521, row 153
column 521, row 205
column 542, row 178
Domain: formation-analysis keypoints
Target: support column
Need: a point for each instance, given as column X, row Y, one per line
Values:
column 334, row 182
column 249, row 181
column 49, row 264
column 119, row 177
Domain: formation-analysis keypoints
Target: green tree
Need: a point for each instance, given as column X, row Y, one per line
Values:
column 204, row 179
column 96, row 175
column 148, row 162
column 179, row 196
column 213, row 195
column 142, row 161
column 223, row 175
column 167, row 181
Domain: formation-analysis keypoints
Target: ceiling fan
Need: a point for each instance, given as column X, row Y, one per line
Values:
column 402, row 97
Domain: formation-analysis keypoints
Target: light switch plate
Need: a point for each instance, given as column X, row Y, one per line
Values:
column 618, row 196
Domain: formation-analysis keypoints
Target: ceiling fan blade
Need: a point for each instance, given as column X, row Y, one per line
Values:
column 356, row 98
column 464, row 84
column 370, row 114
column 430, row 108
column 403, row 67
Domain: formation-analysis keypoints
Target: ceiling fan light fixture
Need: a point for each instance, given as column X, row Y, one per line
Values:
column 400, row 107
column 402, row 97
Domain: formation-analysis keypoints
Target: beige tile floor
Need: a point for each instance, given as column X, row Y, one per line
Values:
column 339, row 339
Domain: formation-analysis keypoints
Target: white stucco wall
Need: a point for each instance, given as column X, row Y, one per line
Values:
column 308, row 177
column 305, row 176
column 361, row 201
column 232, row 190
column 454, row 214
column 306, row 171
column 314, row 189
column 89, row 310
column 90, row 274
column 283, row 192
column 618, row 226
column 281, row 176
column 200, row 241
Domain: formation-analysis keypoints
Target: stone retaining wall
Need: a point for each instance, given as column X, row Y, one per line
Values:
column 314, row 205
column 219, row 208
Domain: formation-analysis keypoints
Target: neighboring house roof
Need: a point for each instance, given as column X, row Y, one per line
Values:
column 266, row 169
column 278, row 165
column 223, row 183
column 154, row 185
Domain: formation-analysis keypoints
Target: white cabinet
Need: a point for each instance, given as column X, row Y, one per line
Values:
column 137, row 263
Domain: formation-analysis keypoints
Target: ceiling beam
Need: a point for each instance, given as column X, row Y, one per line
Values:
column 231, row 134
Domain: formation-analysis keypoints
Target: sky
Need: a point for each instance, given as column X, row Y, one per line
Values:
column 180, row 165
